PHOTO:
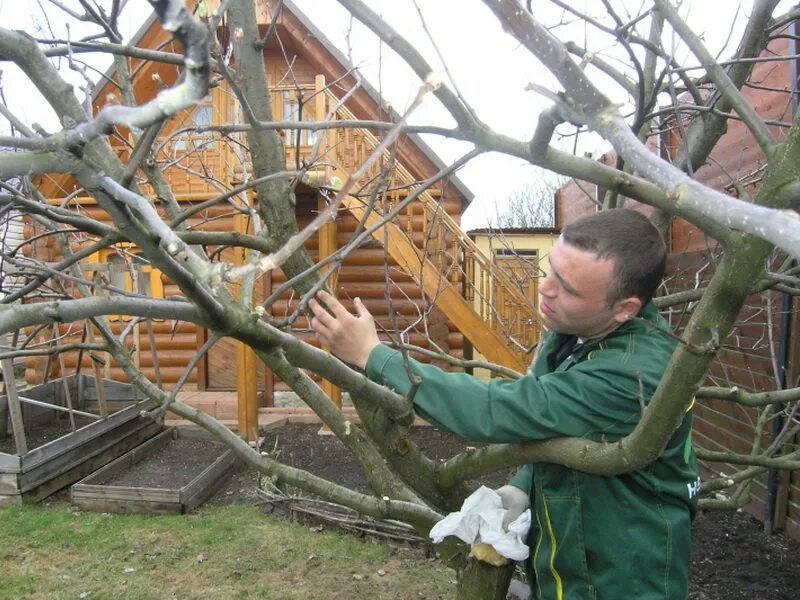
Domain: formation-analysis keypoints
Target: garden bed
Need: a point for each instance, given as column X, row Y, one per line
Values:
column 56, row 455
column 172, row 473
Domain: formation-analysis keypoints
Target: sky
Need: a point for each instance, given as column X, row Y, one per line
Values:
column 488, row 67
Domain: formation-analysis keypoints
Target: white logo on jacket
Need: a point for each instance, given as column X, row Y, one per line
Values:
column 693, row 488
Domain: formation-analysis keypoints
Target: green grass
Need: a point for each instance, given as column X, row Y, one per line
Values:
column 219, row 552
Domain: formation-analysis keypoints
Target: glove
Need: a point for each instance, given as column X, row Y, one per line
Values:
column 515, row 501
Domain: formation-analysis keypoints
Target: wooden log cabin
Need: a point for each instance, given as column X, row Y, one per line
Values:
column 423, row 278
column 766, row 337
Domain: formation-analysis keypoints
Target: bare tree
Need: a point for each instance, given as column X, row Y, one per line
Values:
column 750, row 225
column 526, row 207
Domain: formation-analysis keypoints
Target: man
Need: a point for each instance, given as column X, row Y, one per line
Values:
column 610, row 538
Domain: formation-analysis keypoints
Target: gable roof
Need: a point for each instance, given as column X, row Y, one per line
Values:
column 345, row 65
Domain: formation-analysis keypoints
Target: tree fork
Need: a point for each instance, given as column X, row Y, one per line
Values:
column 276, row 202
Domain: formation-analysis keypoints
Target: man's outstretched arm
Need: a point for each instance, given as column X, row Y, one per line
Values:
column 350, row 337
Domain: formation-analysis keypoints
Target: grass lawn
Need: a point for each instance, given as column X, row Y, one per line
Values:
column 219, row 552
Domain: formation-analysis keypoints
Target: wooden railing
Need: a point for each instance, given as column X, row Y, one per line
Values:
column 494, row 294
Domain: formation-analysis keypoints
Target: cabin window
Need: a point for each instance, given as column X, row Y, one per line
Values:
column 203, row 116
column 125, row 268
column 523, row 268
column 292, row 112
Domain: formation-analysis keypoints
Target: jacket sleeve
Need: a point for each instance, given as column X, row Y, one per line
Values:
column 523, row 479
column 599, row 399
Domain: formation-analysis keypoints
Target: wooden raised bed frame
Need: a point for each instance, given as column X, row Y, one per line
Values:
column 92, row 494
column 58, row 463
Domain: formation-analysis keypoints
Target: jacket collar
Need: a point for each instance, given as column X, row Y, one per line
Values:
column 557, row 341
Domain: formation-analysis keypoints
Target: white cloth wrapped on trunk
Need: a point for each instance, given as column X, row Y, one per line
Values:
column 480, row 520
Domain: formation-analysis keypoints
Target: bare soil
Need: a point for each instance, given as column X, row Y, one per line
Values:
column 43, row 432
column 172, row 466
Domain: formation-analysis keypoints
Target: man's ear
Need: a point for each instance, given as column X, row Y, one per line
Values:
column 627, row 308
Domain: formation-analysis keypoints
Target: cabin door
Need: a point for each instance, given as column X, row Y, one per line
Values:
column 220, row 363
column 523, row 268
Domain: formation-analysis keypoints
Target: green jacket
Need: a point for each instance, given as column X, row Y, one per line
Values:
column 610, row 538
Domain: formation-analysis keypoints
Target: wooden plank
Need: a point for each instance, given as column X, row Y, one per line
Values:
column 10, row 500
column 129, row 506
column 112, row 390
column 96, row 460
column 9, row 483
column 14, row 411
column 65, row 461
column 125, row 493
column 45, row 391
column 51, row 449
column 128, row 460
column 193, row 432
column 10, row 463
column 209, row 481
column 444, row 294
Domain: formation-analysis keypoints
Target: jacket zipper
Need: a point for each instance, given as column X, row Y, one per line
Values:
column 553, row 548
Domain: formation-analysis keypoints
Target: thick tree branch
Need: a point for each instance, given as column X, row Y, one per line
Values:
column 18, row 316
column 725, row 86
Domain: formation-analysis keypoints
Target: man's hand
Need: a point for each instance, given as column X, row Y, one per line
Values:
column 350, row 337
column 515, row 501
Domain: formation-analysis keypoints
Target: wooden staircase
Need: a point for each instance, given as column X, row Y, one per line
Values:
column 450, row 268
column 483, row 300
column 487, row 340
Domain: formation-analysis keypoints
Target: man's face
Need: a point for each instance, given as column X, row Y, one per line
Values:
column 573, row 297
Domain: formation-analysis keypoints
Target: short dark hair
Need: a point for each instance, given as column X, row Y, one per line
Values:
column 632, row 241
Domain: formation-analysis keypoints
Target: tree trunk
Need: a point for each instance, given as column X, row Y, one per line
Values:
column 478, row 580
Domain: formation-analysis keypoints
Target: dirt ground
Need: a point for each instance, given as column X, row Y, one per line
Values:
column 41, row 433
column 733, row 558
column 158, row 469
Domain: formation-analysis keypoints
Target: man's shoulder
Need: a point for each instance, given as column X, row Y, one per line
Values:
column 641, row 340
column 650, row 330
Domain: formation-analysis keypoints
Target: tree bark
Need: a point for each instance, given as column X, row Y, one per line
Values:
column 478, row 580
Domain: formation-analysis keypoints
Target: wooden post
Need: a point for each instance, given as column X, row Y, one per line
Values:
column 67, row 395
column 201, row 337
column 246, row 364
column 327, row 246
column 98, row 376
column 320, row 110
column 151, row 336
column 246, row 389
column 268, row 399
column 17, row 426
